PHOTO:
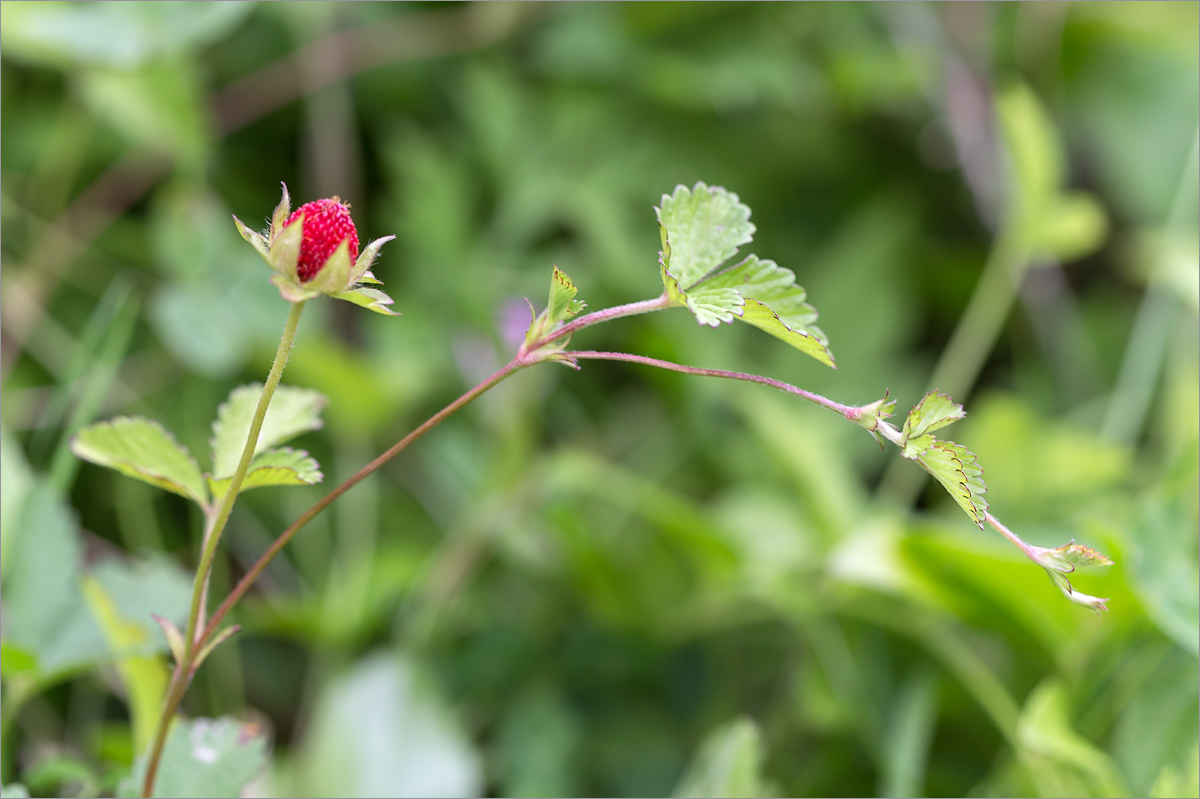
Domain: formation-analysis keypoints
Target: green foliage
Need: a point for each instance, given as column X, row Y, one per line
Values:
column 144, row 450
column 728, row 763
column 595, row 569
column 701, row 229
column 206, row 757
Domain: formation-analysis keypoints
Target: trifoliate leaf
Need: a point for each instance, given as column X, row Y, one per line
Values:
column 143, row 449
column 275, row 467
column 562, row 304
column 701, row 229
column 934, row 411
column 292, row 411
column 705, row 227
column 956, row 468
column 369, row 298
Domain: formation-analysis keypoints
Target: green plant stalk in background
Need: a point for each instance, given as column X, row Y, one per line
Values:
column 187, row 663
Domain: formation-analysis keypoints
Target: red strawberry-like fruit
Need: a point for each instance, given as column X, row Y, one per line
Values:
column 327, row 224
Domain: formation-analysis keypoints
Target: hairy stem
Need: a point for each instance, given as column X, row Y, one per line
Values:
column 846, row 411
column 659, row 303
column 212, row 537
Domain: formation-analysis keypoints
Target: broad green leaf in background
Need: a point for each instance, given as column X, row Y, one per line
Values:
column 143, row 449
column 14, row 489
column 292, row 411
column 728, row 763
column 701, row 229
column 144, row 676
column 275, row 467
column 205, row 757
column 1045, row 727
column 112, row 34
column 47, row 626
column 383, row 729
column 1044, row 218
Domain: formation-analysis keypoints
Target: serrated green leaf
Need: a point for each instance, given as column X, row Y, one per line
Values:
column 142, row 448
column 712, row 306
column 810, row 341
column 369, row 298
column 205, row 757
column 292, row 411
column 956, row 468
column 1067, row 557
column 275, row 467
column 934, row 411
column 562, row 304
column 701, row 229
column 705, row 227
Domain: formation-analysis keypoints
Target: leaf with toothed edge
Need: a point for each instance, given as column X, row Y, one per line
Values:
column 143, row 449
column 933, row 412
column 275, row 467
column 292, row 411
column 956, row 468
column 701, row 229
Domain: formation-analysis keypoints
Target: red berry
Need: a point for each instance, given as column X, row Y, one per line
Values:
column 326, row 224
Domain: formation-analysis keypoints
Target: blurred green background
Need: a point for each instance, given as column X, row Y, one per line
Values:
column 618, row 581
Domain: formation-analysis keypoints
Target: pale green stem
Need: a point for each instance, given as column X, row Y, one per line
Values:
column 212, row 537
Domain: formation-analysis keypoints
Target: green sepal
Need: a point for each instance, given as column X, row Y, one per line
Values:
column 369, row 298
column 285, row 249
column 256, row 240
column 282, row 211
column 362, row 264
column 334, row 276
column 143, row 449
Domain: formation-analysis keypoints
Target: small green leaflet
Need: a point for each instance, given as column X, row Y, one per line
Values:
column 957, row 469
column 701, row 229
column 934, row 411
column 274, row 467
column 292, row 411
column 560, row 307
column 1061, row 561
column 143, row 449
column 562, row 304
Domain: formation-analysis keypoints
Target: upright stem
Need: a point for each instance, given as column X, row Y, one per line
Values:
column 183, row 669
